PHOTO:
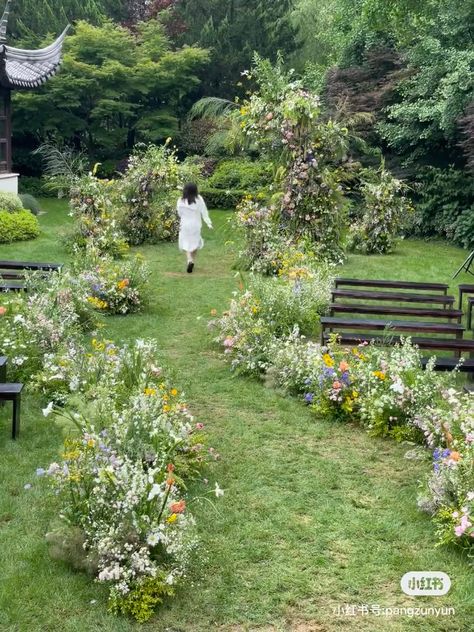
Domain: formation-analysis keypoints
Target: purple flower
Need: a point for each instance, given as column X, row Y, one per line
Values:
column 309, row 398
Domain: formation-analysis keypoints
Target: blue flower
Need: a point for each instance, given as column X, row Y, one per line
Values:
column 436, row 454
column 40, row 471
column 445, row 453
column 309, row 398
column 345, row 378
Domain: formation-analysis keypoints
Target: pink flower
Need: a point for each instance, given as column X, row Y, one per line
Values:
column 462, row 527
column 199, row 426
column 229, row 342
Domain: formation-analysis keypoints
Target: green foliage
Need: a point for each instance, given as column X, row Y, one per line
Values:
column 18, row 226
column 149, row 189
column 243, row 174
column 386, row 211
column 444, row 201
column 92, row 203
column 222, row 198
column 115, row 88
column 10, row 202
column 141, row 602
column 30, row 203
column 35, row 186
column 233, row 30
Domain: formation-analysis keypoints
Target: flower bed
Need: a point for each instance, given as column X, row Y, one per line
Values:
column 124, row 511
column 264, row 333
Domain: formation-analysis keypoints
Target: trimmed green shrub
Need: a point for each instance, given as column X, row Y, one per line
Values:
column 220, row 198
column 19, row 226
column 248, row 175
column 30, row 203
column 10, row 202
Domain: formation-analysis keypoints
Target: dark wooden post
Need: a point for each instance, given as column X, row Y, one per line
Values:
column 5, row 132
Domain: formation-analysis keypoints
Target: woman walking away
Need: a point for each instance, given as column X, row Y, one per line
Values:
column 192, row 210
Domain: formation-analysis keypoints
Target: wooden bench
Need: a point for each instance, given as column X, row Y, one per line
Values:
column 464, row 288
column 470, row 307
column 12, row 393
column 394, row 297
column 449, row 364
column 381, row 283
column 30, row 265
column 391, row 310
column 344, row 324
column 455, row 345
column 10, row 286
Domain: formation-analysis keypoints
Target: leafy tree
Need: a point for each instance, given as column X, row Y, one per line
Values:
column 233, row 30
column 115, row 88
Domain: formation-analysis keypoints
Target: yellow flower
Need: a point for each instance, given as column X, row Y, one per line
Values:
column 379, row 374
column 172, row 518
column 174, row 392
column 91, row 443
column 166, row 408
column 150, row 392
column 328, row 361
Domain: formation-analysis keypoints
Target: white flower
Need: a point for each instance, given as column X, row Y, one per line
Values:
column 49, row 409
column 218, row 491
column 52, row 469
column 397, row 387
column 154, row 492
column 153, row 539
column 170, row 579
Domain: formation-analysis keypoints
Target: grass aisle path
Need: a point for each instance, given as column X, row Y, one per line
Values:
column 315, row 514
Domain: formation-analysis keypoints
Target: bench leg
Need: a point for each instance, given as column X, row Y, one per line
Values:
column 469, row 316
column 16, row 418
column 3, row 378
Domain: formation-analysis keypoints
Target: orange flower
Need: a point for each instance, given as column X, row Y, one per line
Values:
column 123, row 284
column 337, row 385
column 170, row 481
column 3, row 310
column 344, row 366
column 455, row 456
column 170, row 467
column 179, row 507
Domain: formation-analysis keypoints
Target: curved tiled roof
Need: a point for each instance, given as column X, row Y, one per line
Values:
column 29, row 68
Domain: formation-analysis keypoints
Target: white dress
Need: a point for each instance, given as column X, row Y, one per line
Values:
column 191, row 216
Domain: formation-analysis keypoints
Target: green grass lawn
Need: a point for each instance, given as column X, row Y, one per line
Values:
column 315, row 515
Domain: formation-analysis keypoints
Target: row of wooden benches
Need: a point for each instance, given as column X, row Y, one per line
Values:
column 12, row 273
column 432, row 302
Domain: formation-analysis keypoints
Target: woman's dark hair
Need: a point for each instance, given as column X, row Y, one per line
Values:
column 190, row 192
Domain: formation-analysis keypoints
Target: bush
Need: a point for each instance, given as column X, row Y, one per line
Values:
column 386, row 213
column 444, row 201
column 10, row 202
column 242, row 174
column 30, row 203
column 149, row 189
column 35, row 186
column 19, row 226
column 220, row 198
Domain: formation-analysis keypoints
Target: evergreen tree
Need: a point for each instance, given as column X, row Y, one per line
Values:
column 233, row 30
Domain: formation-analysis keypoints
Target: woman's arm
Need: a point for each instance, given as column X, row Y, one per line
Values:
column 204, row 212
column 178, row 208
